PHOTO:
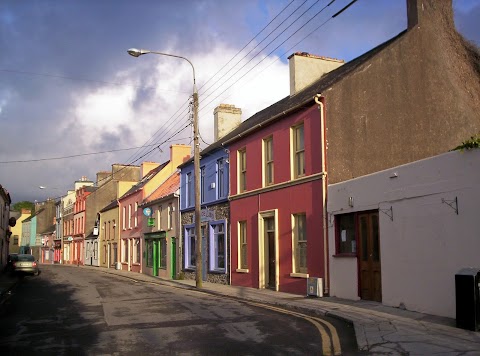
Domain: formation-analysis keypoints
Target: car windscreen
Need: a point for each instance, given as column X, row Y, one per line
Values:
column 26, row 258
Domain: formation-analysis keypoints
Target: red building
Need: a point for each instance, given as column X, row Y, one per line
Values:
column 81, row 195
column 276, row 209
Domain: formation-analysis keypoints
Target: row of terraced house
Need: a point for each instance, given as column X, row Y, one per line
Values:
column 344, row 188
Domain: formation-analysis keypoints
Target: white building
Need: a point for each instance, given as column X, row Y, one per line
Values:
column 399, row 236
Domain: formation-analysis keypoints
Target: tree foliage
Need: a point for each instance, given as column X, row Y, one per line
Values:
column 24, row 205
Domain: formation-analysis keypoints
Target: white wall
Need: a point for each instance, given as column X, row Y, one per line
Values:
column 427, row 243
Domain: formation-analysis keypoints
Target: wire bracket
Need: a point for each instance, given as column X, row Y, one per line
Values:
column 388, row 212
column 452, row 204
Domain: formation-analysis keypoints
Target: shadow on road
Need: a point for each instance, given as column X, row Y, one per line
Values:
column 43, row 317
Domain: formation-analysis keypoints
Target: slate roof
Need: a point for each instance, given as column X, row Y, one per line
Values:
column 300, row 100
column 48, row 230
column 169, row 187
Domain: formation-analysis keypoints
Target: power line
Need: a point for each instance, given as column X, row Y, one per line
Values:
column 272, row 52
column 79, row 79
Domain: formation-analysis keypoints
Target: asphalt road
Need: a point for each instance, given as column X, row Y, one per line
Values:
column 75, row 311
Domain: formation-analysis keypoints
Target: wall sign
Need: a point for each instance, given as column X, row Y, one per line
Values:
column 147, row 211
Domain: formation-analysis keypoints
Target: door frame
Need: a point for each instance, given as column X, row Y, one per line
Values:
column 263, row 251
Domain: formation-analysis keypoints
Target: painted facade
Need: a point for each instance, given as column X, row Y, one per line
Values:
column 109, row 235
column 110, row 186
column 275, row 205
column 68, row 223
column 214, row 190
column 427, row 219
column 79, row 224
column 215, row 209
column 17, row 230
column 160, row 229
column 131, row 218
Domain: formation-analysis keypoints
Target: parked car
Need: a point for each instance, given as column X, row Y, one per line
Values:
column 13, row 257
column 25, row 264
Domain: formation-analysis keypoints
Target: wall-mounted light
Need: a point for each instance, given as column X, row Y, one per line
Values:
column 350, row 202
column 394, row 175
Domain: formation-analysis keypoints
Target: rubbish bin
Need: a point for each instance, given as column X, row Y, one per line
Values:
column 467, row 298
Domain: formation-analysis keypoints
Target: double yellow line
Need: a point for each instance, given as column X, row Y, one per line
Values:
column 330, row 344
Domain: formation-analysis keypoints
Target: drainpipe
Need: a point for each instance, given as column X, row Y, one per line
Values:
column 320, row 100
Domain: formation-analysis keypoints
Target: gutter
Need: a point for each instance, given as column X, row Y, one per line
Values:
column 320, row 100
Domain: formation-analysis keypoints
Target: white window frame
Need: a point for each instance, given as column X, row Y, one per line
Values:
column 129, row 216
column 170, row 216
column 213, row 246
column 124, row 222
column 190, row 190
column 189, row 232
column 203, row 188
column 136, row 214
column 221, row 172
column 159, row 217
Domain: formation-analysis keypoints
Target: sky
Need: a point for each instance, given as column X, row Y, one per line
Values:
column 73, row 102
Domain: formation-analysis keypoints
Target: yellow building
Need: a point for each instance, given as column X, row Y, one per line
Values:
column 16, row 238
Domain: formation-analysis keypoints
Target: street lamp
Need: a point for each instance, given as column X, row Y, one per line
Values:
column 196, row 163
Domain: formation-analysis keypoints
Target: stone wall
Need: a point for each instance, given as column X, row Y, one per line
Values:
column 222, row 212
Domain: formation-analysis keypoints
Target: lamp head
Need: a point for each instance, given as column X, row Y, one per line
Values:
column 137, row 52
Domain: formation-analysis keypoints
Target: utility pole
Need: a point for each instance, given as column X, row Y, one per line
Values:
column 196, row 164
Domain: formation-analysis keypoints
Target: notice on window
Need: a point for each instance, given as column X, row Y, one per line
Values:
column 343, row 235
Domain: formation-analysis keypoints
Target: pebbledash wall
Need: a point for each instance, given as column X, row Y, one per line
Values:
column 427, row 242
column 221, row 212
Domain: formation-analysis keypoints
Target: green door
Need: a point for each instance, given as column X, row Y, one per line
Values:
column 156, row 257
column 173, row 253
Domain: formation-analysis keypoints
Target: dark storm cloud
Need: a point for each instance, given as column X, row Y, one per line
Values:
column 57, row 53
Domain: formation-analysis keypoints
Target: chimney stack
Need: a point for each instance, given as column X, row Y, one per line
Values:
column 430, row 13
column 226, row 118
column 306, row 68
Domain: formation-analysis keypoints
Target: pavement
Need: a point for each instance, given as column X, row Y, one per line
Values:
column 379, row 329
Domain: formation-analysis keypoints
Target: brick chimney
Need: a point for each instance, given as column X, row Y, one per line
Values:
column 306, row 68
column 226, row 117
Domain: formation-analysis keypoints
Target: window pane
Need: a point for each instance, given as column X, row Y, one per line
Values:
column 300, row 243
column 299, row 144
column 243, row 244
column 192, row 247
column 163, row 253
column 346, row 233
column 149, row 246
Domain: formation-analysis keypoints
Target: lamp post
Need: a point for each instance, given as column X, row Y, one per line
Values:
column 196, row 163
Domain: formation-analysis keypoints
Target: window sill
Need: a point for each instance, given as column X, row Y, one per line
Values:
column 216, row 271
column 299, row 275
column 345, row 255
column 242, row 270
column 189, row 269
